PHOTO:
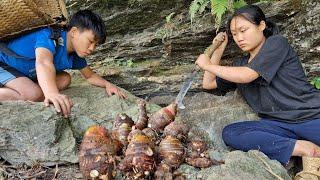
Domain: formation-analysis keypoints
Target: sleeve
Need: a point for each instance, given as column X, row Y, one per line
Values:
column 78, row 62
column 270, row 57
column 44, row 41
column 224, row 85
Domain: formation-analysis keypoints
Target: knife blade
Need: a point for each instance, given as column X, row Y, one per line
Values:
column 187, row 84
column 185, row 87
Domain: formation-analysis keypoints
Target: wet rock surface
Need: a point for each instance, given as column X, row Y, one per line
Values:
column 148, row 56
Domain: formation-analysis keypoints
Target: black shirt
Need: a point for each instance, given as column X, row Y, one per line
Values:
column 282, row 91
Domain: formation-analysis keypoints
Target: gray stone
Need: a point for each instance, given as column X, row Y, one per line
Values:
column 208, row 114
column 248, row 165
column 31, row 133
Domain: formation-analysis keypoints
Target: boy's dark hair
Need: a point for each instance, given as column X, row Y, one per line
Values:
column 88, row 20
column 255, row 15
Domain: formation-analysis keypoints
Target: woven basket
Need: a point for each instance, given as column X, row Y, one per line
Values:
column 18, row 16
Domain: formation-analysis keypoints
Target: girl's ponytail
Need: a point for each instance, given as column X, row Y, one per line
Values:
column 271, row 28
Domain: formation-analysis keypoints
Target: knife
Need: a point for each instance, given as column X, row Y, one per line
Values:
column 187, row 84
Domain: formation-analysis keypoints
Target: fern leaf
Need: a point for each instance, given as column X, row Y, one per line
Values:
column 239, row 3
column 218, row 8
column 203, row 6
column 193, row 9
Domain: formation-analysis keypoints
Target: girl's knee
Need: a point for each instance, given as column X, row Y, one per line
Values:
column 227, row 134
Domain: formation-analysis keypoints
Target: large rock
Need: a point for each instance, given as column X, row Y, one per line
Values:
column 208, row 115
column 239, row 165
column 31, row 133
column 93, row 106
column 138, row 32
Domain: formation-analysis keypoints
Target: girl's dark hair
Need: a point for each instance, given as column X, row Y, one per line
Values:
column 88, row 20
column 255, row 15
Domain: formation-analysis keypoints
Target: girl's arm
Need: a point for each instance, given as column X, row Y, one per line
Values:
column 232, row 74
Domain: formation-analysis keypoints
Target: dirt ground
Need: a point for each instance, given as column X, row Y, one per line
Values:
column 37, row 172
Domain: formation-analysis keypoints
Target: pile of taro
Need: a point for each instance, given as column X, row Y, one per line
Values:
column 151, row 148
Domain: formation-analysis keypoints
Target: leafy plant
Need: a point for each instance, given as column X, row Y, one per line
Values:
column 316, row 82
column 125, row 63
column 168, row 28
column 197, row 7
column 169, row 17
column 218, row 8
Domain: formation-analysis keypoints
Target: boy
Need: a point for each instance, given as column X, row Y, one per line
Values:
column 42, row 77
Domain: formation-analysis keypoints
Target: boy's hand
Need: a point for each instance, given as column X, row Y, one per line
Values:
column 203, row 61
column 61, row 103
column 112, row 89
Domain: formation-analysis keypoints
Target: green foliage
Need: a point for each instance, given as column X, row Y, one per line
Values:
column 125, row 63
column 316, row 82
column 218, row 8
column 238, row 4
column 168, row 28
column 197, row 7
column 168, row 18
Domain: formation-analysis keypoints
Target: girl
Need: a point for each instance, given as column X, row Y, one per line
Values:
column 272, row 81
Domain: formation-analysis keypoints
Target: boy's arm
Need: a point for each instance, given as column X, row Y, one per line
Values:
column 46, row 75
column 97, row 80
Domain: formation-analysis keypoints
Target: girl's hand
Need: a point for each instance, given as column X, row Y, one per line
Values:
column 222, row 38
column 203, row 61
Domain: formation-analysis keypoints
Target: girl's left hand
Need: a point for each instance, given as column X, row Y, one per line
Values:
column 203, row 61
column 112, row 89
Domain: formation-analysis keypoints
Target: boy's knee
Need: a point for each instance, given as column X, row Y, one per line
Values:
column 33, row 94
column 63, row 80
column 67, row 79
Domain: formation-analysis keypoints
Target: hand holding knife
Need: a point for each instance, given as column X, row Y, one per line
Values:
column 187, row 84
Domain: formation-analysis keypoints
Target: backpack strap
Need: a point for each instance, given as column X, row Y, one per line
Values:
column 55, row 36
column 9, row 52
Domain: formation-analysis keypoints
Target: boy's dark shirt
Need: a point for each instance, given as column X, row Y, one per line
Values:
column 282, row 91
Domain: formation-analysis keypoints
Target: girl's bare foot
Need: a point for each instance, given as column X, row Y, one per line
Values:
column 306, row 148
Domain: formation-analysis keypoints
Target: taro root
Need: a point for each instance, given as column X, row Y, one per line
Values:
column 200, row 162
column 164, row 172
column 151, row 134
column 97, row 153
column 196, row 154
column 142, row 121
column 163, row 117
column 121, row 128
column 172, row 151
column 133, row 133
column 176, row 129
column 198, row 145
column 139, row 156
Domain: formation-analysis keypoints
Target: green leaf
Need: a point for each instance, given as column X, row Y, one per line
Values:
column 193, row 9
column 238, row 4
column 316, row 82
column 218, row 8
column 203, row 6
column 168, row 18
